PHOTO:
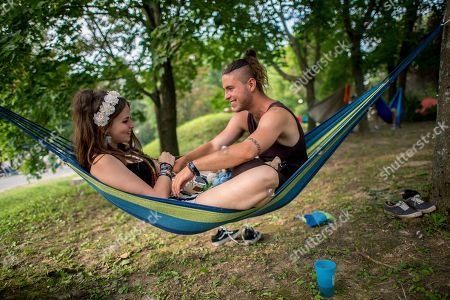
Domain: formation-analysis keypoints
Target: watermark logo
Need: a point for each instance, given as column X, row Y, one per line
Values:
column 324, row 61
column 403, row 157
column 315, row 240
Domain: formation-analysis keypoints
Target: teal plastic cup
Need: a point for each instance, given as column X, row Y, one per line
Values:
column 325, row 271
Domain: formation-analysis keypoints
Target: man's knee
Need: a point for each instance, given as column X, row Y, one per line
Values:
column 270, row 177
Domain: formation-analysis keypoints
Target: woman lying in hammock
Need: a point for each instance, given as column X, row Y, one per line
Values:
column 106, row 145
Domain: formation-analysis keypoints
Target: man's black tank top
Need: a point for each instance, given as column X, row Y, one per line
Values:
column 291, row 157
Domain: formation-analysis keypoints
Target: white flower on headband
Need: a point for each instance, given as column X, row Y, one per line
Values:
column 107, row 108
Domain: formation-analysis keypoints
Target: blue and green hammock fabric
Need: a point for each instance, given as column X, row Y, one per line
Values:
column 190, row 218
column 384, row 110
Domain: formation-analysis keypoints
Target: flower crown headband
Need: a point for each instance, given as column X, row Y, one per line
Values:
column 107, row 108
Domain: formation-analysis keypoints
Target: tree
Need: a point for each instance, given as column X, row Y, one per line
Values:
column 406, row 31
column 34, row 80
column 312, row 20
column 357, row 20
column 51, row 49
column 157, row 31
column 440, row 178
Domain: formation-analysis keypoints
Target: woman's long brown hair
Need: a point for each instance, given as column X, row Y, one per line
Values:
column 89, row 139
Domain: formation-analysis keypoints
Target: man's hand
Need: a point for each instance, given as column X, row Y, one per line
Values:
column 180, row 180
column 180, row 164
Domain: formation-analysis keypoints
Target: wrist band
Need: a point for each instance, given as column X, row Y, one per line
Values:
column 165, row 167
column 193, row 168
column 166, row 173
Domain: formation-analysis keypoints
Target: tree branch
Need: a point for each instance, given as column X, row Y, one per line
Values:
column 318, row 44
column 292, row 40
column 368, row 14
column 104, row 38
column 346, row 20
column 284, row 74
column 152, row 13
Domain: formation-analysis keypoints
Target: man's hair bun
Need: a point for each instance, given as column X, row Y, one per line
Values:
column 250, row 53
column 254, row 69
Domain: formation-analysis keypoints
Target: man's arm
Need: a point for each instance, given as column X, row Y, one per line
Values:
column 270, row 127
column 228, row 136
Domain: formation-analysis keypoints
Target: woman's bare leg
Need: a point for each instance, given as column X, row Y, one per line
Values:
column 252, row 188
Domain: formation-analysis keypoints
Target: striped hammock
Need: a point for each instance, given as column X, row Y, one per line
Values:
column 384, row 110
column 190, row 218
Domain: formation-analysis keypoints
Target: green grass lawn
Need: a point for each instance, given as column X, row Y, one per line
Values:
column 62, row 241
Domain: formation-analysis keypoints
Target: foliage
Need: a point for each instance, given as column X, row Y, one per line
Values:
column 204, row 97
column 194, row 133
column 52, row 49
column 49, row 50
column 144, row 118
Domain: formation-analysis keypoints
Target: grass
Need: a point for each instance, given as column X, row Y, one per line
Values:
column 194, row 133
column 62, row 241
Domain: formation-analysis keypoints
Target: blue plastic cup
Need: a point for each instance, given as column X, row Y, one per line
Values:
column 325, row 270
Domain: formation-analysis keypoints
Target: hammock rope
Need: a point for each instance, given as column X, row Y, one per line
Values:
column 191, row 218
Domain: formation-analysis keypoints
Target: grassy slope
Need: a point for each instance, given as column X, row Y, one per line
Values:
column 194, row 133
column 62, row 241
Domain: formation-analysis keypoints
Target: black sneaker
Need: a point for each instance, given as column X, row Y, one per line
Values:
column 250, row 235
column 409, row 193
column 417, row 203
column 223, row 235
column 401, row 210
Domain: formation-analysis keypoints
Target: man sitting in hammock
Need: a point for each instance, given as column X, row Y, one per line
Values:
column 274, row 132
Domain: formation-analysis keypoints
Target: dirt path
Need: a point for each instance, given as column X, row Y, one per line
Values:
column 7, row 183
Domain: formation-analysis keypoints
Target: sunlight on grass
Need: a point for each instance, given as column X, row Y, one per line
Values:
column 20, row 198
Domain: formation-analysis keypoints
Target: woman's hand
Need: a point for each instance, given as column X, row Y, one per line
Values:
column 166, row 157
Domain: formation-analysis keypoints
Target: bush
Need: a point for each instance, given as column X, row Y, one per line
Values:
column 410, row 114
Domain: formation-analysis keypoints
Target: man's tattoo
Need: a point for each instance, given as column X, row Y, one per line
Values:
column 258, row 146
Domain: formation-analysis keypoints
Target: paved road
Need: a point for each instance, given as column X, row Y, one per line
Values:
column 10, row 182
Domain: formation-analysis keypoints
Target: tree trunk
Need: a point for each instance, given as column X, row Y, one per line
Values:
column 440, row 177
column 168, row 113
column 358, row 75
column 310, row 99
column 405, row 48
column 393, row 87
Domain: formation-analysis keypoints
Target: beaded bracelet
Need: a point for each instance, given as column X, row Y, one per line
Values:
column 166, row 173
column 165, row 169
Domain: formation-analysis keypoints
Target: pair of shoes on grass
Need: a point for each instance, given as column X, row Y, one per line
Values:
column 412, row 206
column 249, row 235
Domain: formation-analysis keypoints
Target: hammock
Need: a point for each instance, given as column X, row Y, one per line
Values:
column 190, row 218
column 385, row 111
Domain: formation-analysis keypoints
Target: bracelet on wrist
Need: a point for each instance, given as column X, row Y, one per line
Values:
column 193, row 168
column 165, row 167
column 166, row 173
